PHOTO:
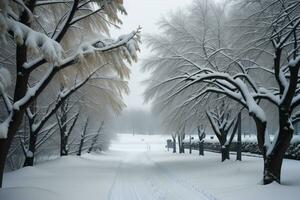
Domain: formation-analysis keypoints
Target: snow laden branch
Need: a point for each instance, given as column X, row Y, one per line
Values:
column 7, row 12
column 36, row 42
column 128, row 44
column 105, row 10
column 233, row 87
column 24, row 35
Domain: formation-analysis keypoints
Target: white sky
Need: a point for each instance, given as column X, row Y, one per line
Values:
column 144, row 13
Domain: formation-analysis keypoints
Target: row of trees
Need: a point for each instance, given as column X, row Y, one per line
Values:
column 60, row 68
column 224, row 139
column 218, row 59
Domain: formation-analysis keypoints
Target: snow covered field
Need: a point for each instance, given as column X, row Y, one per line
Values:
column 132, row 170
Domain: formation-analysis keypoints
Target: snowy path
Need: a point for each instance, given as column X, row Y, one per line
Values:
column 133, row 171
column 140, row 178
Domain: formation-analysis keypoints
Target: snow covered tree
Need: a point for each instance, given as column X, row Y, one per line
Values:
column 65, row 130
column 185, row 37
column 222, row 122
column 42, row 32
column 35, row 126
column 269, row 45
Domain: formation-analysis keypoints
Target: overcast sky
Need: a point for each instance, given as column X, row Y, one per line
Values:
column 145, row 13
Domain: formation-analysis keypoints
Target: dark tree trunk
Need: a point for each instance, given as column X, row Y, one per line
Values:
column 182, row 147
column 179, row 144
column 64, row 145
column 30, row 158
column 174, row 144
column 4, row 147
column 190, row 145
column 94, row 141
column 239, row 139
column 273, row 161
column 181, row 141
column 224, row 147
column 63, row 129
column 5, row 143
column 82, row 137
column 201, row 148
column 80, row 147
column 28, row 161
column 225, row 152
column 17, row 116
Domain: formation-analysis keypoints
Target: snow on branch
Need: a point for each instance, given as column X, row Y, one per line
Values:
column 35, row 41
column 232, row 87
column 10, row 8
column 129, row 45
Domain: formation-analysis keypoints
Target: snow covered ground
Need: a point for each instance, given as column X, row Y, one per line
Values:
column 139, row 168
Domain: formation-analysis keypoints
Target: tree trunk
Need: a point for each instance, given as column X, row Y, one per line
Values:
column 181, row 141
column 63, row 145
column 273, row 161
column 82, row 137
column 80, row 147
column 63, row 129
column 92, row 146
column 30, row 158
column 81, row 144
column 13, row 127
column 179, row 144
column 201, row 148
column 4, row 147
column 239, row 139
column 174, row 144
column 190, row 145
column 17, row 115
column 28, row 161
column 225, row 152
column 94, row 141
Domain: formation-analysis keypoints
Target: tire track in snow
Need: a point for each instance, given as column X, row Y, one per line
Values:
column 140, row 178
column 183, row 182
column 114, row 181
